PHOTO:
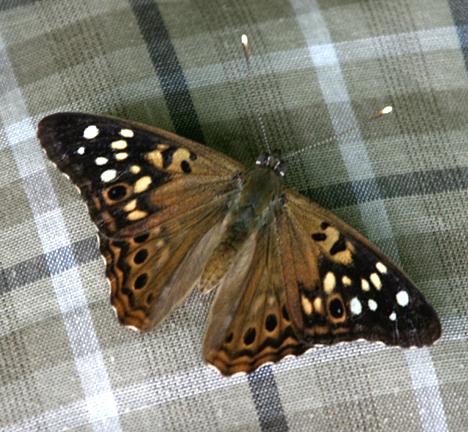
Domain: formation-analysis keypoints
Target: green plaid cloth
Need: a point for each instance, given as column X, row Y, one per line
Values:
column 320, row 67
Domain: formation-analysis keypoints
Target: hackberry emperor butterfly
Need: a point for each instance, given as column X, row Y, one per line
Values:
column 173, row 215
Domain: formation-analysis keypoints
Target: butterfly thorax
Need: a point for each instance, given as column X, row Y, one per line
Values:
column 273, row 162
column 260, row 189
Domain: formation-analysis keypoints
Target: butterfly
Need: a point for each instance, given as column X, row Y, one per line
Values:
column 173, row 215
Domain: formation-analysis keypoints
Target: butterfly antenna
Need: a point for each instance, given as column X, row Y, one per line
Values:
column 253, row 96
column 375, row 116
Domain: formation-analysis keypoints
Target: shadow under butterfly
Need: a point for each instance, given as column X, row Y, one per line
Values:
column 173, row 215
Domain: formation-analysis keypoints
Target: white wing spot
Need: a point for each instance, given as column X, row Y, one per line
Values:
column 136, row 214
column 392, row 316
column 365, row 285
column 355, row 306
column 346, row 281
column 127, row 133
column 318, row 305
column 402, row 298
column 329, row 282
column 372, row 305
column 91, row 132
column 119, row 145
column 101, row 160
column 130, row 206
column 135, row 169
column 121, row 156
column 108, row 175
column 381, row 267
column 307, row 306
column 375, row 279
column 142, row 184
column 81, row 151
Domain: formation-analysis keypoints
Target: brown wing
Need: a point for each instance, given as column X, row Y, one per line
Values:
column 155, row 198
column 249, row 323
column 340, row 287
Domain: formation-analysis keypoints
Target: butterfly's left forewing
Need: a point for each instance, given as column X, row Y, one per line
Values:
column 157, row 200
column 340, row 287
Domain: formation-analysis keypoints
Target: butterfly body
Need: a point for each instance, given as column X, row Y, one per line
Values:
column 173, row 215
column 249, row 210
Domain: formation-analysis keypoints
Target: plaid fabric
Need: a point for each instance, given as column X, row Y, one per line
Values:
column 320, row 68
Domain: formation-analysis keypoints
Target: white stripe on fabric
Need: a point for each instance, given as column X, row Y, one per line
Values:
column 426, row 387
column 67, row 417
column 443, row 38
column 313, row 26
column 173, row 387
column 102, row 408
column 151, row 393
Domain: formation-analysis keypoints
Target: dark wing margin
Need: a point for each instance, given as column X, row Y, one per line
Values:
column 340, row 287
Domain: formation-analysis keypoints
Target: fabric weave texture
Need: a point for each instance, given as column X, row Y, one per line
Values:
column 320, row 67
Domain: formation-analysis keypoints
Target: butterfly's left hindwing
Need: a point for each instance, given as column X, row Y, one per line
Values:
column 154, row 198
column 340, row 287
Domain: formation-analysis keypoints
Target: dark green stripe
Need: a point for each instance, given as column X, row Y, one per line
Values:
column 39, row 267
column 332, row 196
column 11, row 4
column 184, row 117
column 387, row 187
column 460, row 18
column 267, row 400
column 168, row 69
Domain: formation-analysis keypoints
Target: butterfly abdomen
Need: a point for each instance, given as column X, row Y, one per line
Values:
column 220, row 261
column 246, row 216
column 240, row 224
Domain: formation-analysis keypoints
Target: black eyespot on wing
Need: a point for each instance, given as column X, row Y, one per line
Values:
column 141, row 256
column 336, row 308
column 117, row 192
column 185, row 167
column 141, row 238
column 249, row 336
column 338, row 246
column 319, row 236
column 140, row 281
column 271, row 322
column 167, row 156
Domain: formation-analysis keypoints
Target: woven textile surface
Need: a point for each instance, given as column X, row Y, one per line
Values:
column 320, row 67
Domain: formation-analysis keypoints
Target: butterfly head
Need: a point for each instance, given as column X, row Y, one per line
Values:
column 270, row 161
